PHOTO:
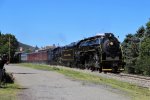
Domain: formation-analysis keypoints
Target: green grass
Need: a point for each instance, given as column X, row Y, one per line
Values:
column 136, row 92
column 9, row 92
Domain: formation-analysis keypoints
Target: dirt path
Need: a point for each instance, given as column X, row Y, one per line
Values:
column 47, row 85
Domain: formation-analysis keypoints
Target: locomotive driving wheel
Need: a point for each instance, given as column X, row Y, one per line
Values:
column 97, row 63
column 96, row 60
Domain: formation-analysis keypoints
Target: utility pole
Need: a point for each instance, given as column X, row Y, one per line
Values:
column 9, row 49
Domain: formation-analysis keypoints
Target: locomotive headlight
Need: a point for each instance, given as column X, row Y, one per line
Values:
column 111, row 43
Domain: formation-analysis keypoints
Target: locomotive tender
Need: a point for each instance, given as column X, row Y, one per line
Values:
column 101, row 52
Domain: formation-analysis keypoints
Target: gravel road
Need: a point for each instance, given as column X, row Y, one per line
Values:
column 48, row 85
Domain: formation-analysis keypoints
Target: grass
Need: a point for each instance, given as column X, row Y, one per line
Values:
column 136, row 92
column 9, row 92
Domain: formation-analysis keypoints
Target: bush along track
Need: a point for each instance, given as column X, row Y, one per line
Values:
column 136, row 92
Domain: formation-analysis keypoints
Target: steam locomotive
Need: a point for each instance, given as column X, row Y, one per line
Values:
column 101, row 52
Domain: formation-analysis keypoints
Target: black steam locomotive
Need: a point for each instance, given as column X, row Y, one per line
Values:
column 101, row 52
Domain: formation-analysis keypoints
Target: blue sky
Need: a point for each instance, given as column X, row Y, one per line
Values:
column 47, row 22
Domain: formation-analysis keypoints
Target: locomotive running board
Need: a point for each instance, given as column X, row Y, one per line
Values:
column 121, row 69
column 106, row 69
column 111, row 69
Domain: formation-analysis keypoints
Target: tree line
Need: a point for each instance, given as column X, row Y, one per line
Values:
column 8, row 45
column 136, row 49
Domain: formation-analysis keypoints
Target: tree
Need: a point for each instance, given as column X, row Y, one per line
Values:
column 137, row 51
column 148, row 28
column 140, row 32
column 8, row 43
column 144, row 57
column 143, row 64
column 131, row 50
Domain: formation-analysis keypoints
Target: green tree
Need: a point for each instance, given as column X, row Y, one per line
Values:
column 131, row 49
column 8, row 41
column 148, row 28
column 143, row 63
column 140, row 32
column 144, row 58
column 137, row 51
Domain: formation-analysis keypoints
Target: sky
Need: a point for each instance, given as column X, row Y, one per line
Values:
column 60, row 22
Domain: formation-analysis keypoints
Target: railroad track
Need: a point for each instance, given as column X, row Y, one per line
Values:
column 137, row 77
column 134, row 79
